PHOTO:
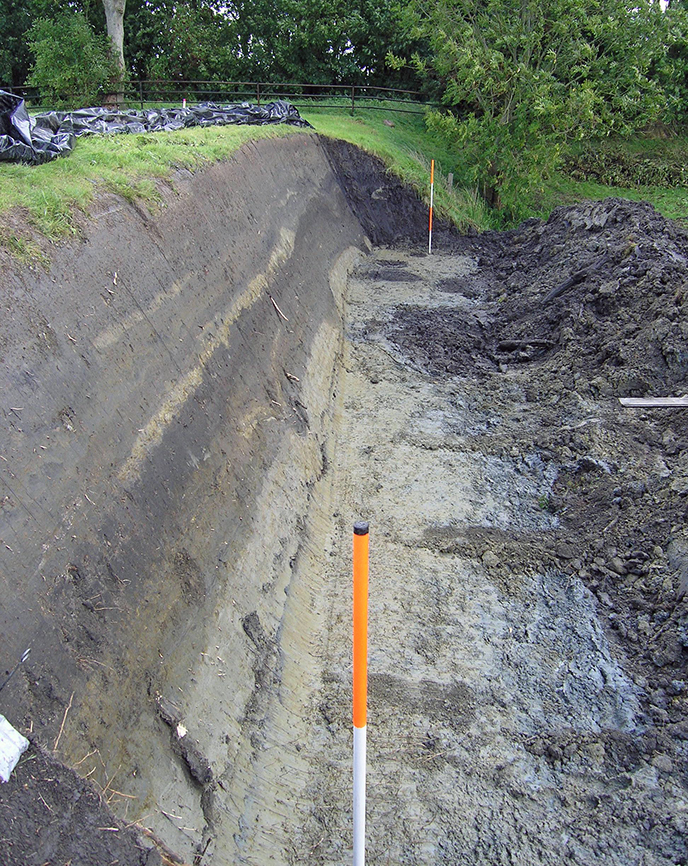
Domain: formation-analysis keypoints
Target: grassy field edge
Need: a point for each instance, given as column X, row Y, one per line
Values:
column 41, row 205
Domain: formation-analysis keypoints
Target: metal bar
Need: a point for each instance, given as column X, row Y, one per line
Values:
column 655, row 402
column 16, row 667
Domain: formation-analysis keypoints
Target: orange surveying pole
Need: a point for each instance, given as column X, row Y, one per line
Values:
column 432, row 196
column 360, row 685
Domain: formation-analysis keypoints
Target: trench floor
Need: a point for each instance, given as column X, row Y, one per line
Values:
column 503, row 728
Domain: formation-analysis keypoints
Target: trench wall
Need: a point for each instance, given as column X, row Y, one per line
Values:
column 167, row 389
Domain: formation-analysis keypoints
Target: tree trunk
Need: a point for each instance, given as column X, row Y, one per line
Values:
column 114, row 17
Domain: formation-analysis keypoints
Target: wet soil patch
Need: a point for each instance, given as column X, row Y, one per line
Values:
column 441, row 341
column 465, row 286
column 451, row 703
column 394, row 275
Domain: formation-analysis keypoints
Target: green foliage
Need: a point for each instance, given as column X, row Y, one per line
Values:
column 73, row 65
column 642, row 158
column 14, row 21
column 615, row 163
column 670, row 67
column 166, row 40
column 17, row 18
column 23, row 249
column 521, row 77
column 310, row 41
column 501, row 160
column 303, row 40
column 545, row 503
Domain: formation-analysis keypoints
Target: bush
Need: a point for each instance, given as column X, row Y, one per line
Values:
column 74, row 66
column 611, row 164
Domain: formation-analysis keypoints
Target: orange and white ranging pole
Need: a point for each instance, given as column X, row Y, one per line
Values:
column 432, row 198
column 360, row 686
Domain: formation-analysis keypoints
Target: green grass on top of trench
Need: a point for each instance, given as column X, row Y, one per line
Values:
column 402, row 141
column 648, row 167
column 46, row 198
column 40, row 202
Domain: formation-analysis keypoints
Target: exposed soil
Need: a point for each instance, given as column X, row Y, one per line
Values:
column 529, row 567
column 575, row 313
column 52, row 815
column 528, row 693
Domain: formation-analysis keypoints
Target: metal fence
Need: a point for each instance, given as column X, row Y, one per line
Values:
column 145, row 93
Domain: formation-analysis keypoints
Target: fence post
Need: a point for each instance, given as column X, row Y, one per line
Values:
column 257, row 93
column 353, row 100
column 141, row 93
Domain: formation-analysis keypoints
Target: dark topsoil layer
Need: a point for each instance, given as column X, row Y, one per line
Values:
column 588, row 305
column 50, row 815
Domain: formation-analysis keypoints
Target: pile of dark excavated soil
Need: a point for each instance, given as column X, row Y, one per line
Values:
column 581, row 310
column 597, row 291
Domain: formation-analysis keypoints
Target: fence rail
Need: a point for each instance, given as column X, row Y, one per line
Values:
column 165, row 91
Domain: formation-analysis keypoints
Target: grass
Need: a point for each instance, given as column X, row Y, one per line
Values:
column 562, row 190
column 661, row 157
column 48, row 196
column 42, row 202
column 402, row 141
column 651, row 167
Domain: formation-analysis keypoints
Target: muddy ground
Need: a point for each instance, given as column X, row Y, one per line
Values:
column 528, row 681
column 529, row 564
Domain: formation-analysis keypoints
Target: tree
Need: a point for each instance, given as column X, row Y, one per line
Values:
column 73, row 64
column 318, row 41
column 188, row 42
column 519, row 77
column 268, row 40
column 670, row 66
column 14, row 22
column 16, row 18
column 114, row 18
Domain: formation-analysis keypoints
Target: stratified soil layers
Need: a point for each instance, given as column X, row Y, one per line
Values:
column 199, row 403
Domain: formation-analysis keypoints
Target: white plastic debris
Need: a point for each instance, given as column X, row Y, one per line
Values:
column 12, row 747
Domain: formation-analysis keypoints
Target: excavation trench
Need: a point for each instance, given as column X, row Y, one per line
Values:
column 197, row 407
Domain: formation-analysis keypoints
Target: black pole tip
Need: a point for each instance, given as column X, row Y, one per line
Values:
column 361, row 528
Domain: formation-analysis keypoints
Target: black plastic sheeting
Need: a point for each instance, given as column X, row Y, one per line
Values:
column 39, row 139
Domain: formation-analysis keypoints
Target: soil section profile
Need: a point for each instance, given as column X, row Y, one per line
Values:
column 200, row 405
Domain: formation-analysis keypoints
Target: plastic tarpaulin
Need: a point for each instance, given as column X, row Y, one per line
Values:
column 12, row 747
column 39, row 139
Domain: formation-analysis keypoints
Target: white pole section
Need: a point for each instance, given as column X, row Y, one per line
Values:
column 359, row 794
